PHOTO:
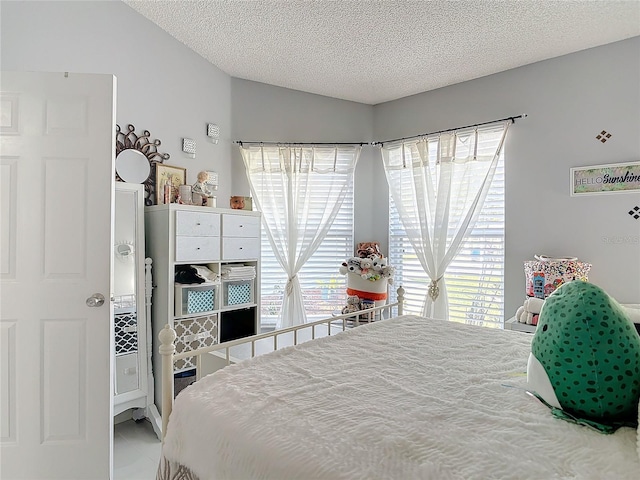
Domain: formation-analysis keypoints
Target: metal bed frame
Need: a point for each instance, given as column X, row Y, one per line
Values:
column 168, row 336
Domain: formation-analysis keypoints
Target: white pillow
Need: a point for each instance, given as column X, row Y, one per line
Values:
column 639, row 429
column 633, row 310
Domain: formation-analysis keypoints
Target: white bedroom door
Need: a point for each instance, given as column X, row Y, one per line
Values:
column 56, row 172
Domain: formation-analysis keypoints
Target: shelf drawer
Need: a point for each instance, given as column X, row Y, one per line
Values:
column 193, row 224
column 240, row 248
column 126, row 332
column 194, row 333
column 240, row 226
column 238, row 292
column 190, row 299
column 126, row 373
column 197, row 249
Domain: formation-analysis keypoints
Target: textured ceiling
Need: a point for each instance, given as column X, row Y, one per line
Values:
column 376, row 51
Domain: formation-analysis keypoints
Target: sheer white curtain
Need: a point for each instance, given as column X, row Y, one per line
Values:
column 285, row 182
column 438, row 185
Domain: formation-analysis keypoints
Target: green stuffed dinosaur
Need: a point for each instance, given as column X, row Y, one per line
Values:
column 585, row 358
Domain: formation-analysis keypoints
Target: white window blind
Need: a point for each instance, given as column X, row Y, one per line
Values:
column 475, row 278
column 323, row 287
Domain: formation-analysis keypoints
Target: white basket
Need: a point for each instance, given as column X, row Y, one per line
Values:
column 552, row 273
column 194, row 299
column 356, row 282
column 238, row 292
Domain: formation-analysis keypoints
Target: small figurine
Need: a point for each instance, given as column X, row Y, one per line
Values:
column 353, row 304
column 201, row 185
column 237, row 202
column 201, row 190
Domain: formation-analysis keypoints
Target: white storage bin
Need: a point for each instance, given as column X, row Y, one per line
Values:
column 356, row 282
column 193, row 299
column 238, row 292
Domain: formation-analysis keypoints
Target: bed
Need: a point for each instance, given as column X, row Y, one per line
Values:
column 402, row 398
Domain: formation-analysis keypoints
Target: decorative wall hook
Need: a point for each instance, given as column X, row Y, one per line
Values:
column 129, row 140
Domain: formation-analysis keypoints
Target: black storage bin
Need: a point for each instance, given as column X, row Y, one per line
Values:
column 237, row 324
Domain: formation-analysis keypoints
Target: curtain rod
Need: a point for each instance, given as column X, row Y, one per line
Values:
column 241, row 142
column 513, row 119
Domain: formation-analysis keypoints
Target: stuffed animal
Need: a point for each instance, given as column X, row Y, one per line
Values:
column 353, row 304
column 368, row 249
column 387, row 271
column 371, row 268
column 343, row 269
column 353, row 265
column 379, row 263
column 522, row 316
column 585, row 358
column 529, row 311
column 366, row 264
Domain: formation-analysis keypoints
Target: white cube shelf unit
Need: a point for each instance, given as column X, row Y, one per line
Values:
column 202, row 314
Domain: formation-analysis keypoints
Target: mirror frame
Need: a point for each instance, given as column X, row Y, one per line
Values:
column 149, row 148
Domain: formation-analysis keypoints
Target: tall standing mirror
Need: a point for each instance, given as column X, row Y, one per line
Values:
column 128, row 299
column 133, row 380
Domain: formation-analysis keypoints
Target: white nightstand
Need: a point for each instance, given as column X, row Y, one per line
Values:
column 513, row 324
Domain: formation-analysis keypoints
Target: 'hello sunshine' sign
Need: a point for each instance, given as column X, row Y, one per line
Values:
column 612, row 178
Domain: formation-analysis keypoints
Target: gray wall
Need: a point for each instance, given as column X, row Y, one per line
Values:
column 569, row 100
column 266, row 113
column 171, row 91
column 163, row 86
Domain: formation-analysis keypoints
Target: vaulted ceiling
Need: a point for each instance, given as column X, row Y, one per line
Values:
column 376, row 51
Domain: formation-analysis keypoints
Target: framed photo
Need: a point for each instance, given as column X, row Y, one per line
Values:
column 605, row 179
column 172, row 176
column 241, row 203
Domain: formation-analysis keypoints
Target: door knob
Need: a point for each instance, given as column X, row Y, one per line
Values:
column 95, row 300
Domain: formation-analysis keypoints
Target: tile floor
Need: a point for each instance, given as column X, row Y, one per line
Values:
column 136, row 451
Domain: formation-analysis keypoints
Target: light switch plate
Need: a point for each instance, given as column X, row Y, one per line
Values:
column 189, row 146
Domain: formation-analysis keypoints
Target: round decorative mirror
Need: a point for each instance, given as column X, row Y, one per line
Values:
column 136, row 159
column 132, row 166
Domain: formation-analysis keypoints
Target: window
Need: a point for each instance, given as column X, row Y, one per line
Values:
column 475, row 278
column 301, row 190
column 323, row 287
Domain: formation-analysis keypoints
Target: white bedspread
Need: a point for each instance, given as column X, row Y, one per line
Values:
column 407, row 398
